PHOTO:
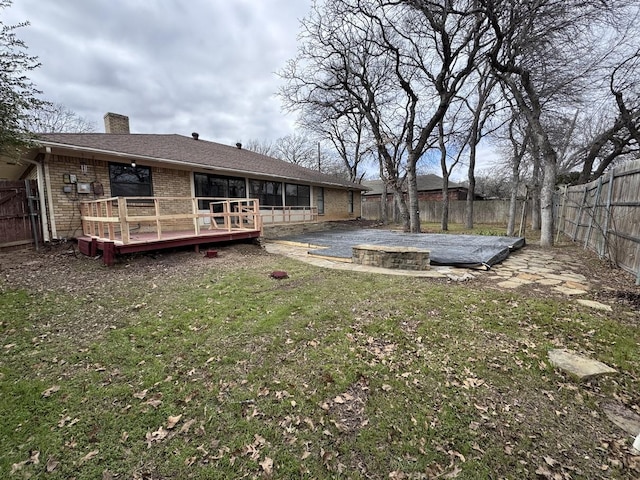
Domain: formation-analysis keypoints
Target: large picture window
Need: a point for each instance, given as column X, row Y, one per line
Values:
column 207, row 185
column 128, row 181
column 297, row 195
column 268, row 193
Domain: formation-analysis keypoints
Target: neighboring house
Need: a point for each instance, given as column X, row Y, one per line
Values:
column 72, row 168
column 429, row 188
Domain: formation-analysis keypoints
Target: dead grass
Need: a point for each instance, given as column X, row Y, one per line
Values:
column 176, row 366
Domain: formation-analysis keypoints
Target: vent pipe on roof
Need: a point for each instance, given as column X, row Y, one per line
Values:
column 195, row 135
column 239, row 145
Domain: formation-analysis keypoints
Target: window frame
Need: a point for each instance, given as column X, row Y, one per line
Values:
column 295, row 200
column 118, row 184
column 223, row 184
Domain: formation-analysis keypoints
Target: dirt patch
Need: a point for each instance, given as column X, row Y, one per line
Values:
column 62, row 268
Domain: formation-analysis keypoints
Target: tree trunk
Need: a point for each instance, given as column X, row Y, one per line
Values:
column 384, row 215
column 535, row 189
column 546, row 197
column 444, row 224
column 513, row 201
column 472, row 185
column 412, row 188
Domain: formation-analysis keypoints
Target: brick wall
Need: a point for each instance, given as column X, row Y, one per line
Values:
column 336, row 204
column 166, row 182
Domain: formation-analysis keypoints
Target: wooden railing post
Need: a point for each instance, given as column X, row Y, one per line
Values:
column 124, row 224
column 196, row 217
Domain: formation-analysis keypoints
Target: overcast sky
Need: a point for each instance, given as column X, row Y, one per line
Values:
column 205, row 66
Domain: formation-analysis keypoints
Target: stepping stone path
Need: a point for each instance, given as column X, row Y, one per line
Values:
column 538, row 268
column 582, row 367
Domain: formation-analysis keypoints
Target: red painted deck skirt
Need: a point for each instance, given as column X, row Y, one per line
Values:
column 143, row 242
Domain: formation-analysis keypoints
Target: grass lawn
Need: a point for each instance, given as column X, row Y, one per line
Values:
column 184, row 367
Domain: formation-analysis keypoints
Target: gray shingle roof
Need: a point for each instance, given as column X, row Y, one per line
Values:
column 426, row 183
column 179, row 149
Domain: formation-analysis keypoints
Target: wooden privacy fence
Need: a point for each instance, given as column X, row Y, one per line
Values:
column 604, row 216
column 484, row 211
column 19, row 216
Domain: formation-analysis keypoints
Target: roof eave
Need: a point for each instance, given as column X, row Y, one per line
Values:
column 47, row 143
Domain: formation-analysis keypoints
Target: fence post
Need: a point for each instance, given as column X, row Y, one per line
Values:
column 593, row 214
column 579, row 217
column 605, row 230
column 562, row 213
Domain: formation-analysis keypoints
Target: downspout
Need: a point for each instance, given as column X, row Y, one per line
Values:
column 44, row 217
column 47, row 177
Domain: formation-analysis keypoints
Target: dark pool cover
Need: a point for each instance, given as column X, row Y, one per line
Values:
column 446, row 249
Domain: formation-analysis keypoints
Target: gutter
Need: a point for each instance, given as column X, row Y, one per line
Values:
column 48, row 146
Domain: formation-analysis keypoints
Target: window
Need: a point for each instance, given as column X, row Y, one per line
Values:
column 268, row 193
column 297, row 195
column 217, row 186
column 320, row 199
column 128, row 181
column 350, row 199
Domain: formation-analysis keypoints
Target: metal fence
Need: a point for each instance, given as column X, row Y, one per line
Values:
column 604, row 216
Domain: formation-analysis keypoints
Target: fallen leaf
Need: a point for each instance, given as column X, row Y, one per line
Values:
column 172, row 421
column 154, row 402
column 386, row 387
column 141, row 395
column 63, row 421
column 156, row 436
column 453, row 474
column 186, row 426
column 34, row 457
column 49, row 391
column 338, row 399
column 89, row 456
column 550, row 461
column 267, row 465
column 52, row 464
column 18, row 466
column 305, row 455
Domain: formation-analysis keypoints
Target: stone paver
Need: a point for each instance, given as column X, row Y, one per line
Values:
column 595, row 305
column 626, row 419
column 522, row 269
column 582, row 367
column 569, row 291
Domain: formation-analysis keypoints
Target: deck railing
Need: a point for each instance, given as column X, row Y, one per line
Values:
column 115, row 218
column 287, row 214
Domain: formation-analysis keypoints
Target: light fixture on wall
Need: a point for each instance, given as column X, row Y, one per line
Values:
column 133, row 164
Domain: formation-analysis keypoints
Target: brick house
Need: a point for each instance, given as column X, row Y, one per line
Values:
column 74, row 168
column 429, row 189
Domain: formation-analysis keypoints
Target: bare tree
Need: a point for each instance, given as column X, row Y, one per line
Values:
column 264, row 147
column 345, row 130
column 56, row 118
column 400, row 63
column 543, row 50
column 296, row 148
column 482, row 110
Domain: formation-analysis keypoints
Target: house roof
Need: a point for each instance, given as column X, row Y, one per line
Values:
column 186, row 151
column 426, row 183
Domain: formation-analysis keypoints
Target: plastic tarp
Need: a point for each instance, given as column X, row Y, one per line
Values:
column 470, row 251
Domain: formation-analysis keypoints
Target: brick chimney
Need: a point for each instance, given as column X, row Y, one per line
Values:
column 116, row 123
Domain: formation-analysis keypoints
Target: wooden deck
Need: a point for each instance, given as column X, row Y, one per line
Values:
column 144, row 242
column 111, row 227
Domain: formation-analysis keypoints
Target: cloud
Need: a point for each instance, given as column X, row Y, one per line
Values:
column 171, row 66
